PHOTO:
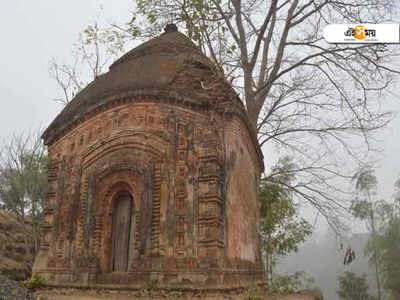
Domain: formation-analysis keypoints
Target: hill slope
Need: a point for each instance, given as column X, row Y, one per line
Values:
column 16, row 247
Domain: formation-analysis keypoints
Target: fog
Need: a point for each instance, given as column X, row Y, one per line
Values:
column 322, row 258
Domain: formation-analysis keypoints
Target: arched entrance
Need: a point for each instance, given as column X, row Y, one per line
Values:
column 123, row 233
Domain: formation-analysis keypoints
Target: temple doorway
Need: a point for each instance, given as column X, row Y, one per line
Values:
column 123, row 222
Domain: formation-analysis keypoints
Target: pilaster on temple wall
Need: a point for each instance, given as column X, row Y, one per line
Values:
column 153, row 175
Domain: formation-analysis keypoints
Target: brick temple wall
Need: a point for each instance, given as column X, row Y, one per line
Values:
column 193, row 178
column 241, row 196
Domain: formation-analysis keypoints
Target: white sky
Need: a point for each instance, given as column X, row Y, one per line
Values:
column 33, row 32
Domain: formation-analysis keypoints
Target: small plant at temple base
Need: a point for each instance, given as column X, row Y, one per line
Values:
column 254, row 292
column 34, row 282
column 151, row 286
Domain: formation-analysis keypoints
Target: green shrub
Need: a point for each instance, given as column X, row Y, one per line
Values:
column 254, row 292
column 285, row 284
column 34, row 282
column 151, row 286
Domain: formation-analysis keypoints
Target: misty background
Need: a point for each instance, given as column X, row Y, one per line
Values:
column 34, row 32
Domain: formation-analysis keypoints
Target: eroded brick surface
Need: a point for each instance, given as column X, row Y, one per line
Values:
column 192, row 173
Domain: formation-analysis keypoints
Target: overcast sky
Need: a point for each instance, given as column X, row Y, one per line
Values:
column 33, row 32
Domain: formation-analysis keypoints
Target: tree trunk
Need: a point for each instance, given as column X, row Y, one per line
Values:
column 378, row 282
column 252, row 113
column 35, row 222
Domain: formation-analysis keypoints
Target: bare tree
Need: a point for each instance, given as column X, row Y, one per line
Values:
column 317, row 102
column 23, row 179
column 94, row 51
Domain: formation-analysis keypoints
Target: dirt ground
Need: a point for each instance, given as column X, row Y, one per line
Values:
column 72, row 294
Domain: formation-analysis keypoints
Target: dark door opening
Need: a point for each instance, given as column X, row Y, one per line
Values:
column 122, row 225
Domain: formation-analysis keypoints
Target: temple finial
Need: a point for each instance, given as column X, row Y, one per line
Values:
column 170, row 28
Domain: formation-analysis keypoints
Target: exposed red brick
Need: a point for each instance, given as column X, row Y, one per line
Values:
column 190, row 166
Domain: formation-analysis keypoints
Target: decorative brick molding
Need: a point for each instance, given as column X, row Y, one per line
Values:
column 189, row 164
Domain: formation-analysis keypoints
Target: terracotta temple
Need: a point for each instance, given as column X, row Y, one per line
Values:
column 153, row 173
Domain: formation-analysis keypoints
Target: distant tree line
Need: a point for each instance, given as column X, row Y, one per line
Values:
column 383, row 247
column 23, row 179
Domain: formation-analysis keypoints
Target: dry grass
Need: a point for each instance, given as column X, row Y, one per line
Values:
column 16, row 247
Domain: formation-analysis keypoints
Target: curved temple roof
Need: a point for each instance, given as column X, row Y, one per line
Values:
column 170, row 65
